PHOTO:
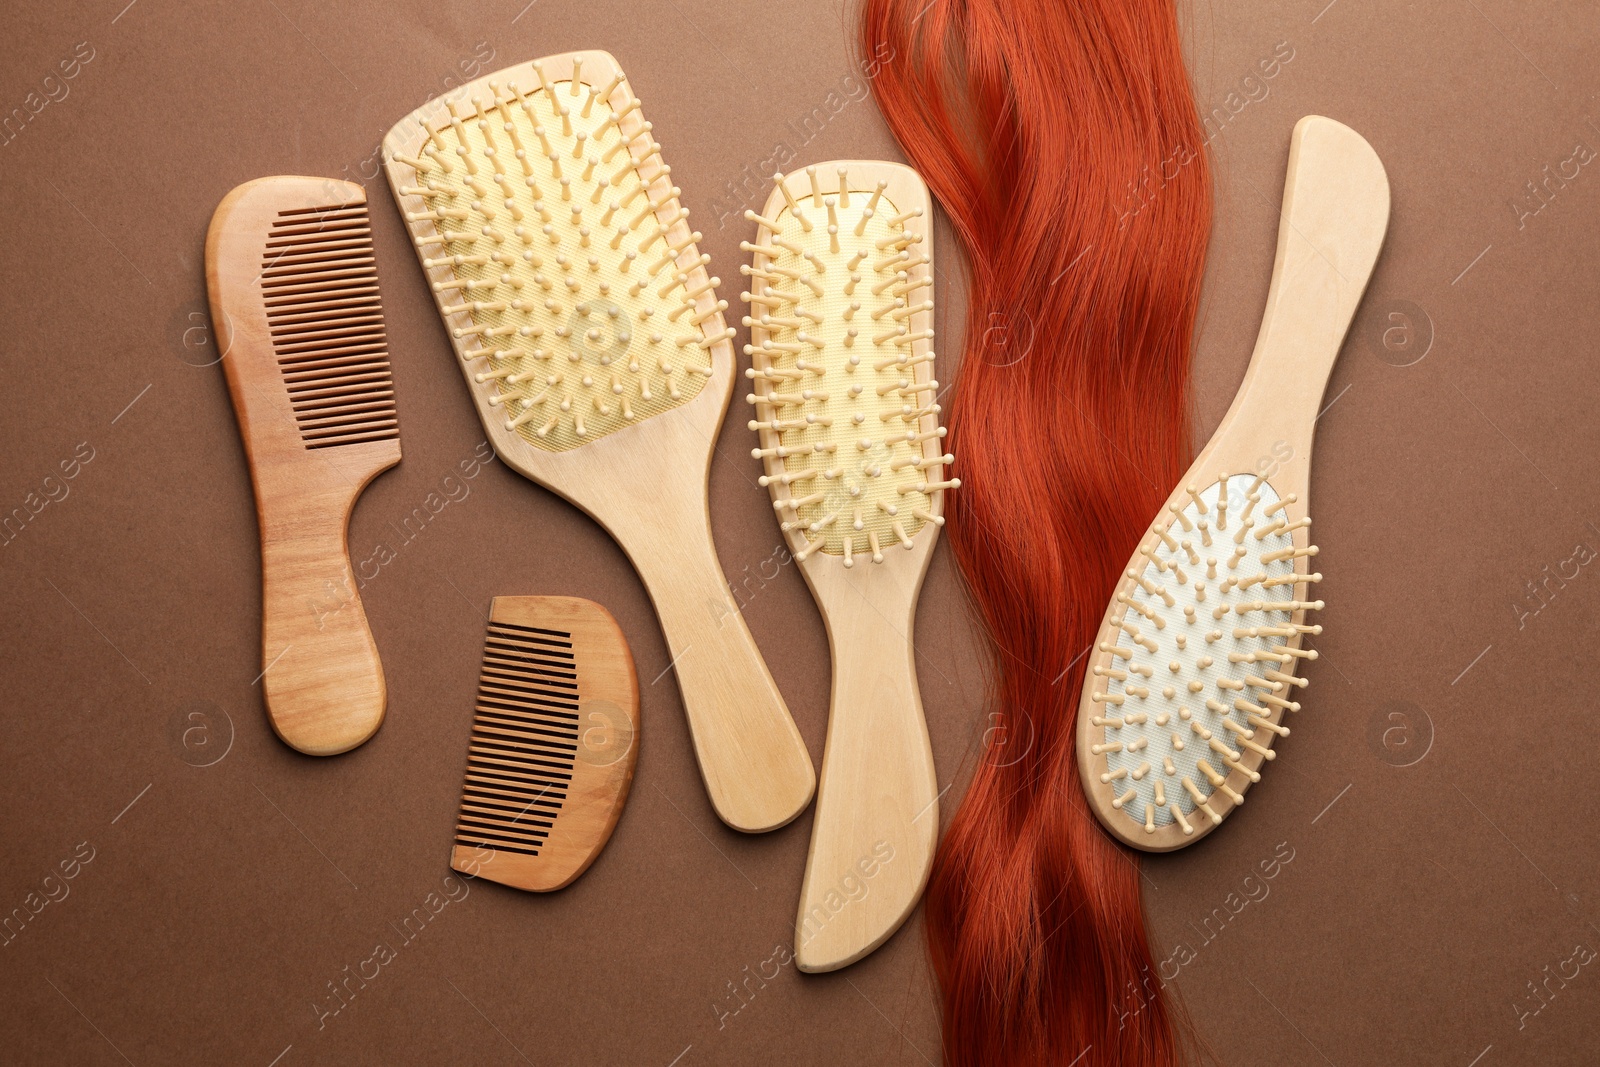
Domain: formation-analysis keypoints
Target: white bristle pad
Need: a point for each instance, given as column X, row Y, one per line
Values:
column 1158, row 709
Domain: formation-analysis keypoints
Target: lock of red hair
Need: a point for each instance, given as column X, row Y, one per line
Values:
column 1063, row 141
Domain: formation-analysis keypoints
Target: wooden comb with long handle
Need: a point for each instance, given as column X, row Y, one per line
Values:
column 294, row 302
column 593, row 345
column 1195, row 664
column 555, row 739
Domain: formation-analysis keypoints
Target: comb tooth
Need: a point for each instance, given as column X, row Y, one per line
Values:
column 322, row 248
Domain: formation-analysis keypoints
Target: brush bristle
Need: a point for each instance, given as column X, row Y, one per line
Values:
column 319, row 283
column 1203, row 645
column 562, row 259
column 844, row 393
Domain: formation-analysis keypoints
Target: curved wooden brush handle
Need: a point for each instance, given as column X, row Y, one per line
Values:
column 754, row 762
column 324, row 684
column 877, row 817
column 1331, row 228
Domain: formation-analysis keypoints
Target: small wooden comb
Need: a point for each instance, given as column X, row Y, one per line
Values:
column 554, row 743
column 294, row 302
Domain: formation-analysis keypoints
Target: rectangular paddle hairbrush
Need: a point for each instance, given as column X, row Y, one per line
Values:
column 594, row 348
column 554, row 743
column 294, row 303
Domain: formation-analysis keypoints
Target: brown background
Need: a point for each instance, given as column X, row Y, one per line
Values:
column 1421, row 899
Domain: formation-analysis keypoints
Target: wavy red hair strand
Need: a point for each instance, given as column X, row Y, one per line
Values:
column 1063, row 141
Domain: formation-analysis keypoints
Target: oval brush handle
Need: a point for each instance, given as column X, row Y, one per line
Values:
column 1332, row 224
column 877, row 816
column 323, row 682
column 754, row 762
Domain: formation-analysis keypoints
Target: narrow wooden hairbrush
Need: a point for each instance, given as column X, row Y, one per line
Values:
column 1194, row 665
column 841, row 336
column 554, row 742
column 594, row 347
column 294, row 302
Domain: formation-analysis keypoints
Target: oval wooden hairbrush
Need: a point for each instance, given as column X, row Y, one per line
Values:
column 594, row 348
column 294, row 301
column 841, row 333
column 1194, row 666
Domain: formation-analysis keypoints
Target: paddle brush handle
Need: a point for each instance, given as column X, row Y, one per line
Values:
column 754, row 762
column 877, row 816
column 1335, row 213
